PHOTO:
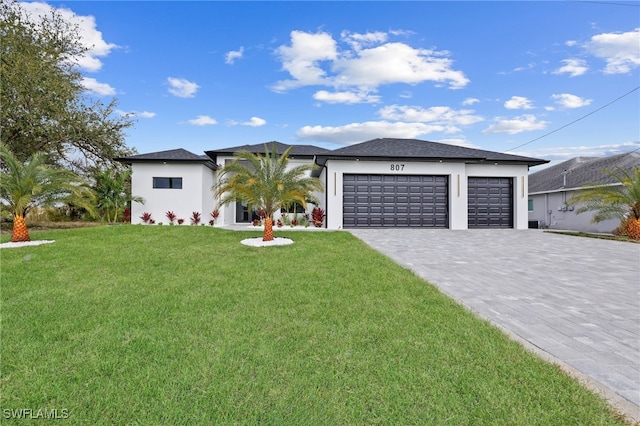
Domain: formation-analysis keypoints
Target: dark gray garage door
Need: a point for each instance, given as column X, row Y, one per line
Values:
column 490, row 202
column 395, row 201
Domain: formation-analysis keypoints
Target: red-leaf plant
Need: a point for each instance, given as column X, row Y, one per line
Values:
column 146, row 217
column 171, row 216
column 195, row 218
column 317, row 215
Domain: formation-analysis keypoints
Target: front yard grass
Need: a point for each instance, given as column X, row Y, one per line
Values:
column 184, row 325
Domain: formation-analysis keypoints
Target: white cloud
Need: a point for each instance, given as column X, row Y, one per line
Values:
column 232, row 55
column 256, row 122
column 620, row 51
column 302, row 59
column 203, row 120
column 90, row 37
column 568, row 101
column 518, row 102
column 397, row 63
column 182, row 88
column 358, row 41
column 345, row 97
column 253, row 122
column 559, row 154
column 524, row 123
column 366, row 62
column 357, row 132
column 93, row 86
column 440, row 115
column 143, row 114
column 470, row 101
column 573, row 67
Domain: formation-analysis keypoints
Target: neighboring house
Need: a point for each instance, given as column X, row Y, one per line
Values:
column 551, row 188
column 377, row 183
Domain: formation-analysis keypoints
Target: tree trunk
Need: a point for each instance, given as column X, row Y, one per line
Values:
column 268, row 229
column 20, row 231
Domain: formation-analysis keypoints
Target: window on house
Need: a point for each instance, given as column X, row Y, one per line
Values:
column 167, row 182
column 530, row 205
column 294, row 208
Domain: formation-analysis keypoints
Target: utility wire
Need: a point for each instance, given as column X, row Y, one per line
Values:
column 574, row 121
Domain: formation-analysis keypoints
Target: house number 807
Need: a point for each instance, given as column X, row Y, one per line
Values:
column 397, row 167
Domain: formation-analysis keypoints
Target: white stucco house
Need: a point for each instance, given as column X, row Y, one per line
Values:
column 377, row 183
column 551, row 188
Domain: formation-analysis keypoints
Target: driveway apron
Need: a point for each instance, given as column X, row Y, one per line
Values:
column 572, row 300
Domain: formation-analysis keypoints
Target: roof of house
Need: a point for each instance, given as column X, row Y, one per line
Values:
column 581, row 171
column 173, row 155
column 296, row 150
column 415, row 149
column 376, row 149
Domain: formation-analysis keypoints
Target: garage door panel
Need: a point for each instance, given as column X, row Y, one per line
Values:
column 490, row 202
column 395, row 201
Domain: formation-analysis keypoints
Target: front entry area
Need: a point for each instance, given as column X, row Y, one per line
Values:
column 374, row 200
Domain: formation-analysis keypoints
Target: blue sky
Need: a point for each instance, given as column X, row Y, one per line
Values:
column 491, row 75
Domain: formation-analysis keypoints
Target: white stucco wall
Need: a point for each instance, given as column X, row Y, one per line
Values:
column 551, row 211
column 456, row 172
column 195, row 195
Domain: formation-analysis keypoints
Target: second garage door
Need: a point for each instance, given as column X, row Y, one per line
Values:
column 490, row 202
column 395, row 201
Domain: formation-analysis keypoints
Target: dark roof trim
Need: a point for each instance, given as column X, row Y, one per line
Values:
column 418, row 150
column 171, row 156
column 297, row 151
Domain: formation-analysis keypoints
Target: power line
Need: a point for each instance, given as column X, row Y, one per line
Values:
column 574, row 121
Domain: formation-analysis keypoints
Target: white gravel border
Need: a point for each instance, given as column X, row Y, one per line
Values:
column 26, row 243
column 257, row 242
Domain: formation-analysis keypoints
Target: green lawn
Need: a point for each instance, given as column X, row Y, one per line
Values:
column 184, row 325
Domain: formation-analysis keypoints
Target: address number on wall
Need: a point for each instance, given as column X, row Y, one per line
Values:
column 397, row 167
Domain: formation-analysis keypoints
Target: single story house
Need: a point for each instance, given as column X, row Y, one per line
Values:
column 377, row 183
column 551, row 188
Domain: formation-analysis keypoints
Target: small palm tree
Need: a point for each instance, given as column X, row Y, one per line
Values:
column 266, row 182
column 24, row 186
column 611, row 202
column 113, row 192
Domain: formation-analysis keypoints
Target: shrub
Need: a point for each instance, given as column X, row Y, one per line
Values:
column 171, row 216
column 214, row 216
column 195, row 218
column 317, row 215
column 146, row 218
column 180, row 221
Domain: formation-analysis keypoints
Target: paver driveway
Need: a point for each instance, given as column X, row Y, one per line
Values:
column 574, row 299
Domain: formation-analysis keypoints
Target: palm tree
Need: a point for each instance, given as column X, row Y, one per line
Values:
column 24, row 186
column 113, row 192
column 267, row 183
column 611, row 202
